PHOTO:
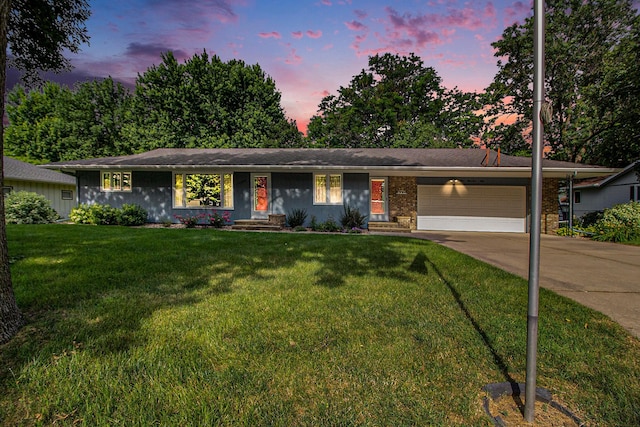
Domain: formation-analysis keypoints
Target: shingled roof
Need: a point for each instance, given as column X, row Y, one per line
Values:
column 387, row 160
column 21, row 171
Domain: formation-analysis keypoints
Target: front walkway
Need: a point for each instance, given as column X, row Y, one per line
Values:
column 602, row 276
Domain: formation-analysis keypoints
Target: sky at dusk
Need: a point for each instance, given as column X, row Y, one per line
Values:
column 309, row 47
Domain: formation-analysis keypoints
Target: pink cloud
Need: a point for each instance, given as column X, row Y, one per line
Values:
column 321, row 94
column 327, row 46
column 355, row 26
column 272, row 34
column 314, row 34
column 293, row 58
column 297, row 34
column 200, row 12
column 360, row 14
column 326, row 2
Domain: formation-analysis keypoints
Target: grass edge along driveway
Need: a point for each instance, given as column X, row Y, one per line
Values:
column 192, row 327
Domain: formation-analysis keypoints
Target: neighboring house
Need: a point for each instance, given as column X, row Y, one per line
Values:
column 425, row 189
column 600, row 193
column 58, row 187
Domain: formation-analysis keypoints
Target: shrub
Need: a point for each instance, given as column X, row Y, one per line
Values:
column 590, row 218
column 352, row 218
column 296, row 218
column 620, row 223
column 23, row 207
column 81, row 214
column 131, row 215
column 329, row 226
column 218, row 219
column 104, row 215
column 97, row 214
column 188, row 220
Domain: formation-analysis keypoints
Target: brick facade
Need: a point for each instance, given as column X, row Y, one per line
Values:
column 403, row 201
column 550, row 220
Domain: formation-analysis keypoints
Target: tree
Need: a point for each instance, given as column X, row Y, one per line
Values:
column 592, row 81
column 37, row 32
column 205, row 102
column 56, row 123
column 396, row 102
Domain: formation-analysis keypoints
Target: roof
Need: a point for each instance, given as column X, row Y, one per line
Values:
column 603, row 181
column 407, row 161
column 21, row 171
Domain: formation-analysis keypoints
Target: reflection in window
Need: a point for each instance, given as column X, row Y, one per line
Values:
column 202, row 190
column 115, row 181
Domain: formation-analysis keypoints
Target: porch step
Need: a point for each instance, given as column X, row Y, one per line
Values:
column 387, row 227
column 255, row 224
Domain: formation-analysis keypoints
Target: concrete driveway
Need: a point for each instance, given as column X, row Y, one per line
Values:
column 602, row 276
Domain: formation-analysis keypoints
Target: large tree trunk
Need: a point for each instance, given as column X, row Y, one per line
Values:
column 10, row 316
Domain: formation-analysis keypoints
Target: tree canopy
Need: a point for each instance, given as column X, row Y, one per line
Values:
column 54, row 123
column 396, row 102
column 205, row 102
column 592, row 82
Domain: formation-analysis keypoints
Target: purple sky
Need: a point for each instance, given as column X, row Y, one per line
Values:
column 309, row 47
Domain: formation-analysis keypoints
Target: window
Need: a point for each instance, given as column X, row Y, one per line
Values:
column 634, row 193
column 7, row 189
column 327, row 189
column 115, row 181
column 576, row 197
column 67, row 194
column 201, row 190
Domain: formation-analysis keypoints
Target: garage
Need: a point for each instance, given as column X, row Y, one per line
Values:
column 457, row 207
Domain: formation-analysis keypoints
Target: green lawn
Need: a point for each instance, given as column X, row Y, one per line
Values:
column 144, row 327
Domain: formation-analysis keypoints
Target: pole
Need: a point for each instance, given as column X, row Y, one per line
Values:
column 536, row 208
column 571, row 204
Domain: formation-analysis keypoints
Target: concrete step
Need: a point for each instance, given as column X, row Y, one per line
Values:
column 255, row 224
column 387, row 227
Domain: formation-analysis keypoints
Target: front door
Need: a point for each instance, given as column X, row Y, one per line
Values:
column 261, row 187
column 378, row 210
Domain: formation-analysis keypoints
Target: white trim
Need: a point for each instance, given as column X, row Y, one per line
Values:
column 110, row 189
column 255, row 214
column 184, row 173
column 327, row 200
column 383, row 216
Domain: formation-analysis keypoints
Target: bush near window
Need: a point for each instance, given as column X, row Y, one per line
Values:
column 131, row 215
column 620, row 223
column 352, row 218
column 106, row 215
column 296, row 218
column 24, row 207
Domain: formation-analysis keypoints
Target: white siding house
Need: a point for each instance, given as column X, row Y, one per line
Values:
column 599, row 194
column 58, row 187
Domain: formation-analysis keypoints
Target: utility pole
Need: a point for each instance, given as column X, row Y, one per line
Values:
column 536, row 210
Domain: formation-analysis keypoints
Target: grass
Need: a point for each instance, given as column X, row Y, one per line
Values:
column 143, row 327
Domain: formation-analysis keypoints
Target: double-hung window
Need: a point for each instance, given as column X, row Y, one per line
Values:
column 203, row 190
column 115, row 181
column 327, row 189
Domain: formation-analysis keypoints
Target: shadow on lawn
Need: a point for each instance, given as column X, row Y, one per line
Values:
column 421, row 264
column 97, row 285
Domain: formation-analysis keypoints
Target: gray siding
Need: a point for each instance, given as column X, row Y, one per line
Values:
column 153, row 191
column 53, row 193
column 600, row 198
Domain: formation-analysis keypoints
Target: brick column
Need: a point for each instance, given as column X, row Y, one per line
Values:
column 550, row 220
column 403, row 198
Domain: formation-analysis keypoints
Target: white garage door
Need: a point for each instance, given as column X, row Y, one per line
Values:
column 471, row 208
